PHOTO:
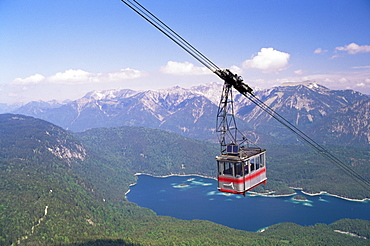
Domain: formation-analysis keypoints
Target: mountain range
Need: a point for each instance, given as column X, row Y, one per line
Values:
column 330, row 116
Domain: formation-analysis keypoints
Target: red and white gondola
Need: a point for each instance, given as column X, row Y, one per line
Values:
column 241, row 169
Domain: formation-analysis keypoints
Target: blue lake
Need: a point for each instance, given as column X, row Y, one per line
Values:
column 193, row 197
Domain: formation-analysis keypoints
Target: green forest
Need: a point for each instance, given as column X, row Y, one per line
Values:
column 62, row 188
column 161, row 153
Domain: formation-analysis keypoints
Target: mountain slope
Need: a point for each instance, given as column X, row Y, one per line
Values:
column 54, row 197
column 192, row 112
column 350, row 125
column 59, row 189
column 302, row 105
column 40, row 194
column 54, row 190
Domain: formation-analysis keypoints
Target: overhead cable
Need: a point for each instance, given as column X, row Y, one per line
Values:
column 354, row 175
column 166, row 30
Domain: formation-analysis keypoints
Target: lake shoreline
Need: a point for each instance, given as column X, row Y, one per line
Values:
column 328, row 194
column 270, row 194
column 202, row 201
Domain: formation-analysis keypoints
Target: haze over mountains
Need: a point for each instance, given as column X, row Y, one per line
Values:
column 329, row 116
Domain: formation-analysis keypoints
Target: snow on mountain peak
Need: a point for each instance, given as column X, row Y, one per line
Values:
column 109, row 94
column 308, row 83
column 212, row 91
column 313, row 85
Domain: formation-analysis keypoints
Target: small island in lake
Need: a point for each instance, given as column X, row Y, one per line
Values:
column 181, row 185
column 300, row 198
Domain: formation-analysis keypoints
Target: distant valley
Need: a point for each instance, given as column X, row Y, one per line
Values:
column 58, row 187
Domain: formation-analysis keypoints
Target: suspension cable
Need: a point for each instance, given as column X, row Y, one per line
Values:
column 166, row 30
column 354, row 175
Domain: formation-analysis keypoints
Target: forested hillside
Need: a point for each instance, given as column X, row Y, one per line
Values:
column 58, row 188
column 303, row 167
column 162, row 153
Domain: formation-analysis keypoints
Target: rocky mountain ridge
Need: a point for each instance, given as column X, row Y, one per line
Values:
column 192, row 112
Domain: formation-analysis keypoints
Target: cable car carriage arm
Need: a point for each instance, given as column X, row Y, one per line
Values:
column 234, row 80
column 240, row 167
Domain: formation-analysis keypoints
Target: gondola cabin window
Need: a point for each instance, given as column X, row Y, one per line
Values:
column 262, row 160
column 231, row 169
column 257, row 162
column 238, row 169
column 227, row 168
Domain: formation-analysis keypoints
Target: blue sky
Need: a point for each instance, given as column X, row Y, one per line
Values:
column 64, row 49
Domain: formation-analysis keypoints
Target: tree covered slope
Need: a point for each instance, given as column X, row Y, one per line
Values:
column 57, row 188
column 161, row 153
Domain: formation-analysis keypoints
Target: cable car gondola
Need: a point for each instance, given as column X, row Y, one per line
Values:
column 241, row 169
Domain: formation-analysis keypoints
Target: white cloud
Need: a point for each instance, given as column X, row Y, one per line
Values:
column 335, row 56
column 320, row 51
column 34, row 79
column 12, row 94
column 299, row 72
column 236, row 69
column 71, row 76
column 126, row 73
column 361, row 67
column 353, row 48
column 360, row 85
column 355, row 80
column 268, row 60
column 183, row 68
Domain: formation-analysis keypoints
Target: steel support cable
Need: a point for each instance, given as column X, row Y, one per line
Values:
column 357, row 177
column 308, row 140
column 152, row 19
column 180, row 38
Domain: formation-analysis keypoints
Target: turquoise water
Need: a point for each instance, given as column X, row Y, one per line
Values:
column 193, row 197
